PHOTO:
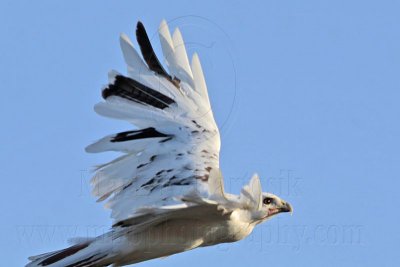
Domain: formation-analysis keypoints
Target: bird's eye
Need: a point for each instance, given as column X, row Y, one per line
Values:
column 267, row 200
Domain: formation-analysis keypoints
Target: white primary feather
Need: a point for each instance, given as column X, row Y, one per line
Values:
column 199, row 81
column 181, row 57
column 167, row 46
column 134, row 62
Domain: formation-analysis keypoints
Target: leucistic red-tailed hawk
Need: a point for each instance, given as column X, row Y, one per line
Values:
column 166, row 191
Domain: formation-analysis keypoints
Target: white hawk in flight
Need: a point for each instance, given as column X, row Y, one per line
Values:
column 166, row 191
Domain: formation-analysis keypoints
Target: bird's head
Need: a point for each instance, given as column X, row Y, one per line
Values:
column 271, row 206
column 262, row 206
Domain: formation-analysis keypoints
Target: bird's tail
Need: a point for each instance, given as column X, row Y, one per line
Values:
column 88, row 253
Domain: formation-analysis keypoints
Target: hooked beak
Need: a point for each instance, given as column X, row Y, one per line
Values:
column 285, row 207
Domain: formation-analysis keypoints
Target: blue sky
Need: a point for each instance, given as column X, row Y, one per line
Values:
column 306, row 94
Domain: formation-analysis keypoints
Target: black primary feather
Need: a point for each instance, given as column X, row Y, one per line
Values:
column 133, row 90
column 148, row 53
column 62, row 254
column 138, row 134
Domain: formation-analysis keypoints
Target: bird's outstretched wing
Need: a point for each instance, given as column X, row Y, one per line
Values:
column 174, row 151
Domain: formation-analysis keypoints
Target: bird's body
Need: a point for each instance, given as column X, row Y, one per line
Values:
column 181, row 235
column 125, row 245
column 166, row 191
